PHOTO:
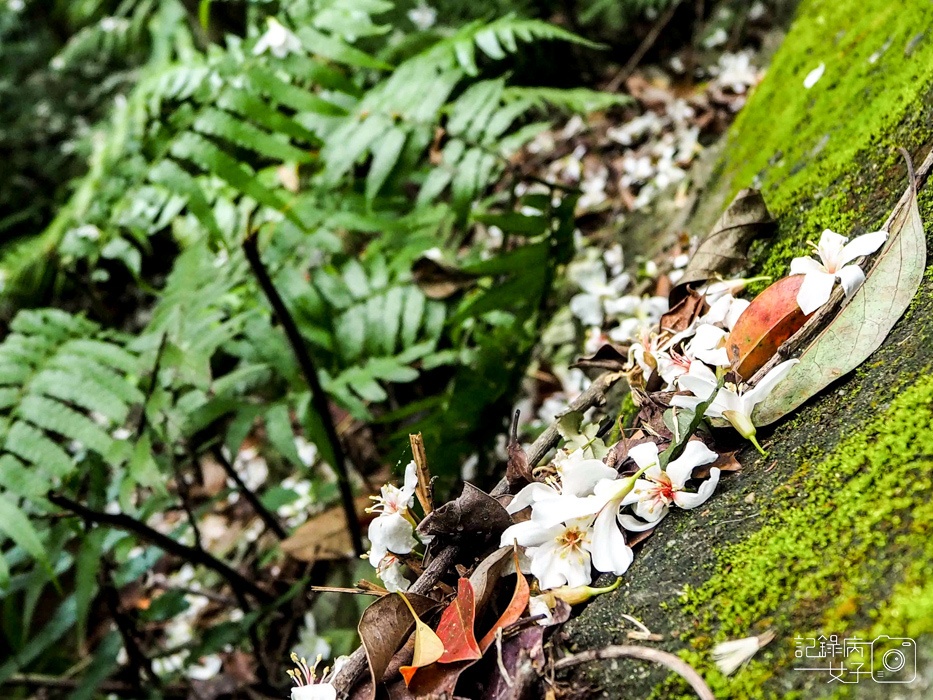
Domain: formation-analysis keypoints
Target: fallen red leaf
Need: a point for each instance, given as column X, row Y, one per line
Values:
column 772, row 318
column 456, row 627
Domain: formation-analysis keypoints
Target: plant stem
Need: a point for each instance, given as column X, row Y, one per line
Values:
column 124, row 522
column 269, row 518
column 318, row 397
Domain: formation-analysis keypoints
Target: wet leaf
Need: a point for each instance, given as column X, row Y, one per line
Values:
column 514, row 611
column 428, row 646
column 384, row 627
column 684, row 313
column 474, row 512
column 724, row 252
column 456, row 627
column 439, row 280
column 487, row 574
column 771, row 318
column 863, row 324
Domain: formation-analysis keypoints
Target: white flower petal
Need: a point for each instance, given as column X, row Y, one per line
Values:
column 830, row 247
column 317, row 691
column 690, row 402
column 529, row 495
column 755, row 396
column 634, row 525
column 815, row 291
column 529, row 534
column 393, row 532
column 801, row 266
column 579, row 478
column 735, row 312
column 609, row 551
column 687, row 500
column 862, row 245
column 645, row 455
column 588, row 308
column 695, row 454
column 851, row 277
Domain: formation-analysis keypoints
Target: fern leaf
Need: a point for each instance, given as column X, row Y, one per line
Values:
column 31, row 445
column 55, row 417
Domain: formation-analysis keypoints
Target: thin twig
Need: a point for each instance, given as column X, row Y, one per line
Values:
column 127, row 628
column 423, row 488
column 121, row 521
column 318, row 397
column 338, row 589
column 643, row 48
column 37, row 680
column 675, row 663
column 143, row 418
column 184, row 493
column 269, row 518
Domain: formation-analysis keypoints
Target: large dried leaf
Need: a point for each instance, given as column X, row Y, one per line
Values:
column 771, row 318
column 473, row 512
column 724, row 252
column 384, row 627
column 685, row 312
column 863, row 324
column 439, row 280
column 610, row 357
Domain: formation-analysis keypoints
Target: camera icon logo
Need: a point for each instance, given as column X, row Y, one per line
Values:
column 893, row 659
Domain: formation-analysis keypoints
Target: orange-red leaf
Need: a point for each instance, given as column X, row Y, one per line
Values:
column 516, row 607
column 456, row 627
column 772, row 318
column 408, row 673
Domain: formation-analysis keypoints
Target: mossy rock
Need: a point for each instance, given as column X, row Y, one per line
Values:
column 831, row 533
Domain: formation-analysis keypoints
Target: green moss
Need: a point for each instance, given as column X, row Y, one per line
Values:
column 799, row 145
column 842, row 524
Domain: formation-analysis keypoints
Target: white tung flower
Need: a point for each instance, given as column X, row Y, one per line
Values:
column 654, row 493
column 598, row 293
column 423, row 16
column 735, row 404
column 393, row 530
column 560, row 553
column 730, row 655
column 576, row 476
column 834, row 252
column 391, row 574
column 306, row 682
column 278, row 40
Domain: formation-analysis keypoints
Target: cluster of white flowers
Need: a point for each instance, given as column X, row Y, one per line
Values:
column 393, row 531
column 579, row 516
column 601, row 299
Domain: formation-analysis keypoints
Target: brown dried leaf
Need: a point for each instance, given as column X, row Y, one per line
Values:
column 684, row 313
column 325, row 537
column 517, row 470
column 726, row 462
column 474, row 513
column 439, row 280
column 724, row 252
column 611, row 357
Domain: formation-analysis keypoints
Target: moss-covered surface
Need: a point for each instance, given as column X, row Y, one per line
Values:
column 831, row 534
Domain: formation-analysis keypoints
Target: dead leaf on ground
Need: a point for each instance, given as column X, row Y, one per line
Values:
column 771, row 318
column 487, row 574
column 384, row 627
column 724, row 252
column 517, row 470
column 473, row 512
column 685, row 312
column 456, row 627
column 428, row 645
column 863, row 324
column 726, row 462
column 438, row 280
column 611, row 357
column 516, row 606
column 325, row 537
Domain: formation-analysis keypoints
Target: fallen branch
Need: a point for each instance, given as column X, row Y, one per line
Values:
column 318, row 397
column 194, row 555
column 674, row 663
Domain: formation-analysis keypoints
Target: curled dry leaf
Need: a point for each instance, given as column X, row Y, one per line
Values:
column 439, row 280
column 384, row 627
column 771, row 318
column 517, row 471
column 685, row 312
column 516, row 606
column 863, row 324
column 474, row 512
column 611, row 357
column 724, row 252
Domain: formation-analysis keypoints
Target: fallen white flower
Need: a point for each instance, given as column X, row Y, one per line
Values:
column 575, row 477
column 393, row 530
column 834, row 252
column 729, row 656
column 306, row 679
column 390, row 573
column 733, row 403
column 560, row 553
column 814, row 75
column 278, row 40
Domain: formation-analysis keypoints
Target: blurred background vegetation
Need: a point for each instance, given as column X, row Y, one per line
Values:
column 143, row 369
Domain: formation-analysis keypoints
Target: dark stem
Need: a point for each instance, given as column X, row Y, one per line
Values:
column 185, row 494
column 141, row 426
column 269, row 518
column 642, row 49
column 121, row 521
column 127, row 629
column 318, row 397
